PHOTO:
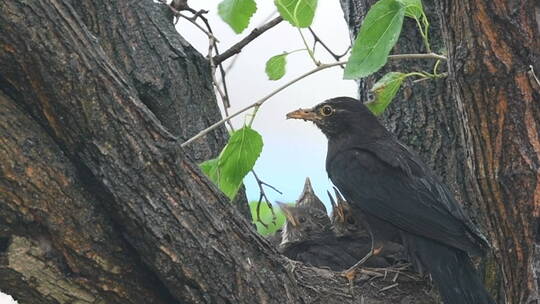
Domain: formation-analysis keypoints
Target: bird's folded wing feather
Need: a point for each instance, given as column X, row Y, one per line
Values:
column 389, row 181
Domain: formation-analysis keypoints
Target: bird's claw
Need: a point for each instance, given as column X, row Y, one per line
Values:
column 350, row 274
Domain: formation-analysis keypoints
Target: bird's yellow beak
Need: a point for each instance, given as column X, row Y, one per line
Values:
column 341, row 213
column 305, row 114
column 291, row 219
column 287, row 212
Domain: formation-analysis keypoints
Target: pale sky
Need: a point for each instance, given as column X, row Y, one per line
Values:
column 292, row 149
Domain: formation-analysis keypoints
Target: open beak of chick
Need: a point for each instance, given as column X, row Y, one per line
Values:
column 288, row 214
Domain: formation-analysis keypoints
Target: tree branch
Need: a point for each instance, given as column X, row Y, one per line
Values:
column 259, row 102
column 237, row 48
column 317, row 39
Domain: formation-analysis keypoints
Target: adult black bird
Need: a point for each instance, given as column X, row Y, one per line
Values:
column 388, row 181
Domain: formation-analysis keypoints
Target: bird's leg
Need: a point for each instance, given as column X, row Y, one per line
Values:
column 350, row 273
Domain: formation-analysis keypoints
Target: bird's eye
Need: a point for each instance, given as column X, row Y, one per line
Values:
column 327, row 110
column 301, row 219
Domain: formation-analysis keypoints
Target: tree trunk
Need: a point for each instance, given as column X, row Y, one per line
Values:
column 99, row 204
column 498, row 94
column 479, row 127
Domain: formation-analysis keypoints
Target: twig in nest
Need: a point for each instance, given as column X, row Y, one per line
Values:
column 371, row 273
column 396, row 276
column 388, row 287
column 398, row 270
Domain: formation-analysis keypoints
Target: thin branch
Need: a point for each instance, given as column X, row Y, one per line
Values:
column 259, row 102
column 226, row 101
column 417, row 56
column 394, row 57
column 208, row 33
column 199, row 15
column 213, row 42
column 193, row 19
column 258, row 211
column 262, row 195
column 237, row 48
column 267, row 184
column 310, row 51
column 235, row 56
column 532, row 75
column 317, row 39
column 425, row 38
column 222, row 94
column 441, row 75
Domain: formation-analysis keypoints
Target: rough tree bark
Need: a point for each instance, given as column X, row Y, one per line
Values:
column 171, row 78
column 479, row 127
column 98, row 204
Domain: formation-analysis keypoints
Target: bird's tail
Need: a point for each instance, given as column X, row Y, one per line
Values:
column 452, row 271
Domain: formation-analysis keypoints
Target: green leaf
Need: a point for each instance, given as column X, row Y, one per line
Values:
column 385, row 89
column 413, row 8
column 209, row 168
column 299, row 13
column 235, row 160
column 378, row 35
column 236, row 13
column 266, row 216
column 275, row 66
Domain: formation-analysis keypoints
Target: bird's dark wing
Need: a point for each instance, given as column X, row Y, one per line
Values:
column 320, row 254
column 388, row 181
column 335, row 253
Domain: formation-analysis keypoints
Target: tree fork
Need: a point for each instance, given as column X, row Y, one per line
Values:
column 52, row 225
